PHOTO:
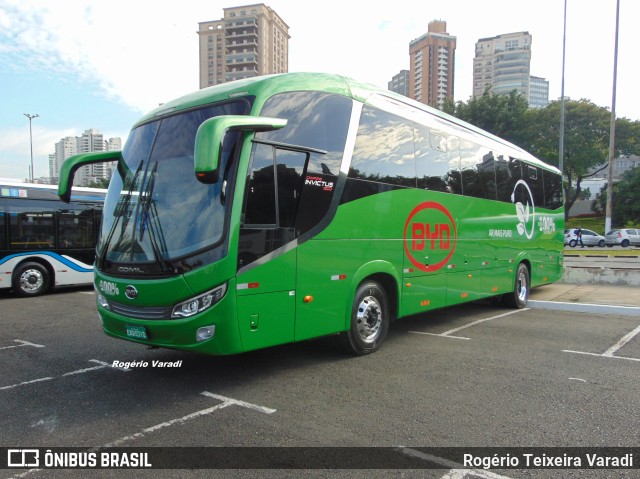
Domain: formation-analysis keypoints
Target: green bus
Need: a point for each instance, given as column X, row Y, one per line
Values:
column 288, row 207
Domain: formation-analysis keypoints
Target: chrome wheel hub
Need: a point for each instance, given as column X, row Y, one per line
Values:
column 31, row 280
column 369, row 319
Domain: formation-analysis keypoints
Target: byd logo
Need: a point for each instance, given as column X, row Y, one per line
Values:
column 429, row 228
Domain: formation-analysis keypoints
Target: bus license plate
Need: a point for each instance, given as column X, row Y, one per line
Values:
column 136, row 332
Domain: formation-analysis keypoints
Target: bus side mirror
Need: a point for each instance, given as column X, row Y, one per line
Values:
column 71, row 165
column 210, row 139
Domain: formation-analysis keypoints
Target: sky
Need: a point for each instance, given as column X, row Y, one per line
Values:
column 102, row 64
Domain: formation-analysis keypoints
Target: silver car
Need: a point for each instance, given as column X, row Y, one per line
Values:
column 623, row 237
column 589, row 238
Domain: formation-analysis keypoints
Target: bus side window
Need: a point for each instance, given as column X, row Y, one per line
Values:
column 478, row 174
column 32, row 230
column 504, row 178
column 260, row 199
column 384, row 150
column 76, row 229
column 3, row 231
column 437, row 160
column 273, row 189
column 552, row 190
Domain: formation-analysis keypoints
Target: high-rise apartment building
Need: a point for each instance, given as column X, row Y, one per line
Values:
column 538, row 92
column 90, row 141
column 431, row 71
column 400, row 83
column 502, row 64
column 249, row 41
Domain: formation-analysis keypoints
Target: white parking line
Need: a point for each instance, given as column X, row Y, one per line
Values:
column 226, row 401
column 101, row 365
column 203, row 412
column 447, row 334
column 457, row 471
column 610, row 353
column 22, row 343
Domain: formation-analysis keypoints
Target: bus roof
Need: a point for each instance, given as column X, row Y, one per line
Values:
column 265, row 86
column 78, row 192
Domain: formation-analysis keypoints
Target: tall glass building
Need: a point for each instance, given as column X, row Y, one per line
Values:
column 503, row 64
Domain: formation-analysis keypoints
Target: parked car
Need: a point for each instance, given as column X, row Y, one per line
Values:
column 589, row 238
column 623, row 237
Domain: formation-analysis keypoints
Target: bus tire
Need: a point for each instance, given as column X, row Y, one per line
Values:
column 520, row 295
column 31, row 279
column 369, row 319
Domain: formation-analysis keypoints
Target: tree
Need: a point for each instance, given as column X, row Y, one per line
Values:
column 586, row 144
column 100, row 183
column 626, row 204
column 502, row 115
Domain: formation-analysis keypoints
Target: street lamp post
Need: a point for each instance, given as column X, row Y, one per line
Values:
column 612, row 131
column 31, row 117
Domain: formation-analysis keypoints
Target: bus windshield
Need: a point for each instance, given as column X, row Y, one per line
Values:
column 156, row 211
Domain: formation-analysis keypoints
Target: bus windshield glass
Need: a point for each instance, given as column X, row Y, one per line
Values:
column 156, row 210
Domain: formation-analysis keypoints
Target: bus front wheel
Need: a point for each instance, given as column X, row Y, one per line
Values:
column 369, row 319
column 520, row 295
column 31, row 279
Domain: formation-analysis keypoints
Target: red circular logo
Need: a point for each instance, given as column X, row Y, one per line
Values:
column 429, row 236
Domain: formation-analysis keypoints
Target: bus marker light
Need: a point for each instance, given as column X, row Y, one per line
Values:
column 425, row 302
column 451, row 266
column 408, row 270
column 464, row 295
column 469, row 276
column 102, row 301
column 307, row 299
column 338, row 277
column 494, row 289
column 206, row 332
column 408, row 285
column 248, row 286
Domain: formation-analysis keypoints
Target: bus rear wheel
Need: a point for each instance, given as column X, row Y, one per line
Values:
column 31, row 279
column 520, row 295
column 369, row 319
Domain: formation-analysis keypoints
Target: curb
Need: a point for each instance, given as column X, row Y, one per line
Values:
column 584, row 308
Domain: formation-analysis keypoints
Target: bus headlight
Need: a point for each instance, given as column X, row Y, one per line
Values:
column 199, row 303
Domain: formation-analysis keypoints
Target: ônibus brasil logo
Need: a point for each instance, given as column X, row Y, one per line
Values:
column 429, row 236
column 526, row 212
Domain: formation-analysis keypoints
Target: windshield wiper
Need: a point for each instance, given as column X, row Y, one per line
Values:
column 147, row 224
column 120, row 211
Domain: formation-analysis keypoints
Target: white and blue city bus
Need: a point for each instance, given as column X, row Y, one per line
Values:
column 45, row 243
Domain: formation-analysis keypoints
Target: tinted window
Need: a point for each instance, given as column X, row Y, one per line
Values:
column 552, row 190
column 384, row 149
column 3, row 234
column 533, row 178
column 32, row 226
column 436, row 164
column 478, row 175
column 316, row 120
column 76, row 228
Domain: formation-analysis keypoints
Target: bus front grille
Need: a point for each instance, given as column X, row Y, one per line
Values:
column 141, row 312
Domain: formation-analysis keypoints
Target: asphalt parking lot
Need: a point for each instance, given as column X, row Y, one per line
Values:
column 470, row 376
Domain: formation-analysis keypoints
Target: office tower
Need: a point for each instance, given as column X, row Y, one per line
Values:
column 400, row 83
column 431, row 72
column 538, row 92
column 249, row 41
column 502, row 64
column 90, row 141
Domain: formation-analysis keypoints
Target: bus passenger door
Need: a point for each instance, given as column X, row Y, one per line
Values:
column 266, row 257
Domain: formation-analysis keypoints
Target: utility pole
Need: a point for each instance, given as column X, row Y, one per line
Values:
column 612, row 134
column 561, row 146
column 31, row 117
